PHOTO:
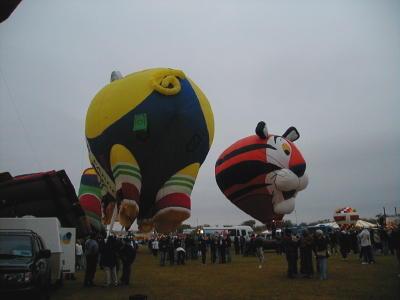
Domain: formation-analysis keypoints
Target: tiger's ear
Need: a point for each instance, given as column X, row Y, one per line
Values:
column 262, row 130
column 291, row 134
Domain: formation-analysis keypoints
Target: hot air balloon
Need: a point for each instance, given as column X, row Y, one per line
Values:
column 148, row 134
column 346, row 216
column 90, row 198
column 261, row 174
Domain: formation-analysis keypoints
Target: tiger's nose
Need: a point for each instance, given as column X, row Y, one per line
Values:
column 298, row 169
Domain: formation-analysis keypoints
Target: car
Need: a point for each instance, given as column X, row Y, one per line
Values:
column 24, row 265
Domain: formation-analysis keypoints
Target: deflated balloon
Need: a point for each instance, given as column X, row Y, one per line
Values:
column 261, row 174
column 148, row 134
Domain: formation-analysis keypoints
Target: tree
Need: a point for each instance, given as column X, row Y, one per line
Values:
column 320, row 222
column 286, row 223
column 182, row 227
column 260, row 228
column 250, row 223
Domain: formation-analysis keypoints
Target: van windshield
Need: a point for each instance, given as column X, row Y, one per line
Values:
column 15, row 246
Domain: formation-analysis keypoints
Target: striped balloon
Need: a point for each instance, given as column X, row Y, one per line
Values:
column 90, row 198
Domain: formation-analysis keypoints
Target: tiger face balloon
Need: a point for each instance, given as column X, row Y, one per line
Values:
column 261, row 174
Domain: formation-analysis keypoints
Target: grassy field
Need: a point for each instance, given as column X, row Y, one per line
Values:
column 242, row 279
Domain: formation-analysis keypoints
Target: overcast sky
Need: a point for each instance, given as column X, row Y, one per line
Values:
column 329, row 68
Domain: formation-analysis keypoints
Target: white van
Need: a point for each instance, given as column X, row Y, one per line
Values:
column 49, row 231
column 233, row 231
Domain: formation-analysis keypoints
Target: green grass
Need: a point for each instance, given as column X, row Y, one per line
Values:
column 243, row 280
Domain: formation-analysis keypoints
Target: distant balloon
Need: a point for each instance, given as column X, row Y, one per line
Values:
column 346, row 215
column 261, row 174
column 148, row 134
column 90, row 198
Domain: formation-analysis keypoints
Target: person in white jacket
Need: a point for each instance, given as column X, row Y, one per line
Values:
column 365, row 242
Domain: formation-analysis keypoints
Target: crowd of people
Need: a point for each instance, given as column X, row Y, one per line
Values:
column 306, row 252
column 364, row 242
column 178, row 249
column 111, row 255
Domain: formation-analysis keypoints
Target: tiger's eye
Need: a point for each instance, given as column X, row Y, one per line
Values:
column 286, row 149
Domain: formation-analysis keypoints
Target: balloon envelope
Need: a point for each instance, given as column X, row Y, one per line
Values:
column 346, row 215
column 147, row 135
column 261, row 174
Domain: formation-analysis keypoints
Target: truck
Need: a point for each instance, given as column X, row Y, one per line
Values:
column 24, row 265
column 49, row 229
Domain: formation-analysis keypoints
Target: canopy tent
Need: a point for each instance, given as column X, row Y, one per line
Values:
column 360, row 223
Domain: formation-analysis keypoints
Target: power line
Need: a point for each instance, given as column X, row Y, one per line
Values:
column 14, row 105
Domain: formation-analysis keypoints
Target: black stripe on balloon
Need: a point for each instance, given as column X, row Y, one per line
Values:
column 246, row 190
column 243, row 172
column 243, row 150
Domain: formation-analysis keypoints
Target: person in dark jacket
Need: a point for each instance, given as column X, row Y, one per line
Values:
column 163, row 249
column 222, row 250
column 290, row 246
column 203, row 249
column 344, row 244
column 306, row 245
column 91, row 255
column 128, row 255
column 395, row 237
column 236, row 244
column 171, row 250
column 109, row 261
column 258, row 244
column 321, row 251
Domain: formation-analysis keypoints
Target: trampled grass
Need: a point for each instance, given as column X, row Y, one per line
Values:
column 242, row 279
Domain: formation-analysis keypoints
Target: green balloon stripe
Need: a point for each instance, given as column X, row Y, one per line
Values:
column 127, row 173
column 173, row 178
column 125, row 167
column 85, row 189
column 179, row 183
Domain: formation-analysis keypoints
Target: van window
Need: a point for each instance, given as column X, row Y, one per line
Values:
column 232, row 232
column 243, row 232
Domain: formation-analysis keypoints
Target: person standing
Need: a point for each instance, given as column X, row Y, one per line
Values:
column 290, row 246
column 222, row 249
column 91, row 255
column 109, row 261
column 395, row 239
column 236, row 244
column 365, row 243
column 306, row 245
column 128, row 256
column 154, row 247
column 163, row 248
column 228, row 249
column 344, row 244
column 213, row 246
column 78, row 255
column 258, row 243
column 321, row 251
column 203, row 249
